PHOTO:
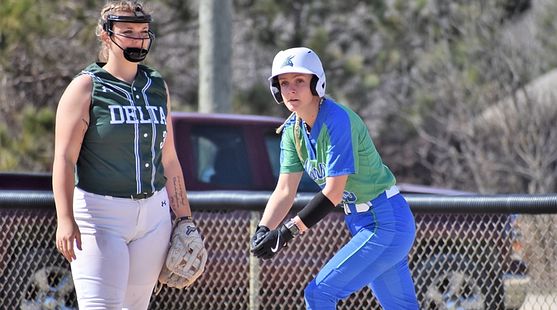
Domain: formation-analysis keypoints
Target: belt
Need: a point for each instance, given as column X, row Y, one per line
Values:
column 139, row 196
column 365, row 206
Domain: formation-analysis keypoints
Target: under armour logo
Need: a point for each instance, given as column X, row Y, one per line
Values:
column 163, row 203
column 288, row 62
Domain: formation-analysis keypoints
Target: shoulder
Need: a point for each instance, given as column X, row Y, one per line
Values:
column 82, row 83
column 290, row 121
column 78, row 93
column 150, row 71
column 332, row 107
column 92, row 70
column 339, row 119
column 333, row 114
column 336, row 111
column 286, row 129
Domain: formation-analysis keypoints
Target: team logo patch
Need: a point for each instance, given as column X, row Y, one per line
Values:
column 349, row 197
column 190, row 229
column 288, row 62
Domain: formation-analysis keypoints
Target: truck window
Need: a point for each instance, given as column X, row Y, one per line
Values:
column 272, row 142
column 221, row 156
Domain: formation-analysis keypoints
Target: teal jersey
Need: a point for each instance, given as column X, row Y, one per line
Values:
column 338, row 144
column 122, row 148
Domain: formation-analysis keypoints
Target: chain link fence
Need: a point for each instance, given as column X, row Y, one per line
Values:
column 461, row 259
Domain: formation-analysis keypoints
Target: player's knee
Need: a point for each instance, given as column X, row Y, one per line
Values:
column 311, row 295
column 310, row 288
column 318, row 297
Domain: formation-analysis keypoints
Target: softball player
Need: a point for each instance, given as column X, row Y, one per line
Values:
column 113, row 130
column 333, row 145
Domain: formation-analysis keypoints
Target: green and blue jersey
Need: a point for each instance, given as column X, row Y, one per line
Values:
column 338, row 144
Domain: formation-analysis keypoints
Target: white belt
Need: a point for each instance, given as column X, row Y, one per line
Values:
column 363, row 207
column 393, row 190
column 360, row 207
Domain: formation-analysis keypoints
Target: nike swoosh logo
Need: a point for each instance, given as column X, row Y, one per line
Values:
column 275, row 248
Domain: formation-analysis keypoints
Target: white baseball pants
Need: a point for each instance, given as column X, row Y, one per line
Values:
column 124, row 244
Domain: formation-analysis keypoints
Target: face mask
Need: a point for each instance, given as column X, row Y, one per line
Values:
column 135, row 54
column 132, row 54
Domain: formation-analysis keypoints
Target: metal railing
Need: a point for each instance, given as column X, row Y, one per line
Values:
column 471, row 252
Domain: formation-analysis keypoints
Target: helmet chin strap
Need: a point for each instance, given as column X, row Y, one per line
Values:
column 135, row 54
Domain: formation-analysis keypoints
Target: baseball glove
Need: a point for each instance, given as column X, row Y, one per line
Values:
column 186, row 257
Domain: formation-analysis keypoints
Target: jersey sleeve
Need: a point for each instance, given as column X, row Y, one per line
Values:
column 289, row 160
column 343, row 141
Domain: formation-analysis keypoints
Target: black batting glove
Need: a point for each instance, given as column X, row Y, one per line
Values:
column 258, row 236
column 272, row 242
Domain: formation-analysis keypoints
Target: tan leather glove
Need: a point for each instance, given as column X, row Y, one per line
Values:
column 186, row 258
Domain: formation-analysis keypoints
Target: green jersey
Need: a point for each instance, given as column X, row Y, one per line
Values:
column 338, row 144
column 122, row 148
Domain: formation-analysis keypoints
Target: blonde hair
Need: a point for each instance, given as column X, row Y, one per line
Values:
column 297, row 133
column 111, row 7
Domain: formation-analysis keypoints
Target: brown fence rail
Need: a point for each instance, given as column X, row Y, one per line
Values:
column 471, row 252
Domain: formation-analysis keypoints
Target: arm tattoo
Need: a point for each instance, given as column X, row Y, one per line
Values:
column 178, row 199
column 84, row 128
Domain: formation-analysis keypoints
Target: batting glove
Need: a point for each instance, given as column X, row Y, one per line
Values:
column 272, row 242
column 259, row 235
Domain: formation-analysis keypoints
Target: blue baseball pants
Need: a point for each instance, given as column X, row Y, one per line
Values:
column 377, row 256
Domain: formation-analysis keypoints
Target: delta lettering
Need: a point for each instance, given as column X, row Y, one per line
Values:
column 136, row 115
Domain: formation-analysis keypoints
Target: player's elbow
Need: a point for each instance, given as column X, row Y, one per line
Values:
column 334, row 188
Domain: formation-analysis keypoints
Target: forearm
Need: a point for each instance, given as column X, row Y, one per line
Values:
column 270, row 237
column 176, row 189
column 277, row 208
column 63, row 183
column 322, row 204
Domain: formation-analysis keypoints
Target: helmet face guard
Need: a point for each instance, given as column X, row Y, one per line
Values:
column 132, row 54
column 297, row 60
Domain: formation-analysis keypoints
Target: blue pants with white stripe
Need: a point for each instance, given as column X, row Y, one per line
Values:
column 377, row 255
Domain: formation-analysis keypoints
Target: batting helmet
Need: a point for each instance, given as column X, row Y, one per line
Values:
column 297, row 60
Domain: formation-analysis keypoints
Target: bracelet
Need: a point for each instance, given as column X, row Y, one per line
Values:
column 301, row 226
column 181, row 218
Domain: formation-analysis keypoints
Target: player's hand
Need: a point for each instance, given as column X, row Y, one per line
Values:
column 67, row 233
column 259, row 235
column 272, row 242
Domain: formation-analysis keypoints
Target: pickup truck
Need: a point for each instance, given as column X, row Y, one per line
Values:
column 222, row 152
column 216, row 151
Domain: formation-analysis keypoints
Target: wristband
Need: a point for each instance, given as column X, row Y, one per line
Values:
column 316, row 210
column 285, row 233
column 182, row 218
column 292, row 227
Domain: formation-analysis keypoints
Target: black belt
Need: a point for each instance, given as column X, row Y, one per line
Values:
column 139, row 196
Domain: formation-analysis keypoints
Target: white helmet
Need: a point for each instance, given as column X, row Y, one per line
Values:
column 297, row 60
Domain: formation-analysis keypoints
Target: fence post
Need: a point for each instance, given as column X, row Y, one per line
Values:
column 254, row 268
